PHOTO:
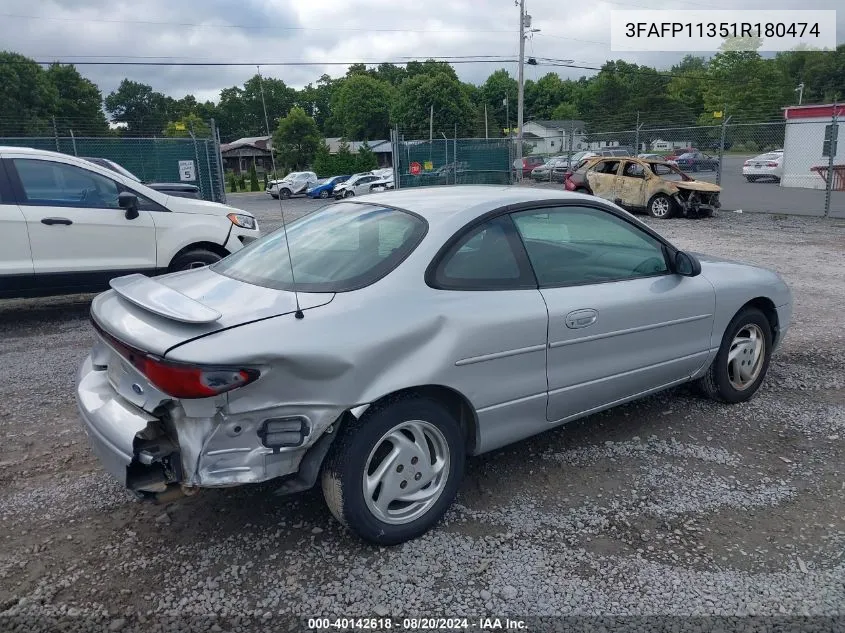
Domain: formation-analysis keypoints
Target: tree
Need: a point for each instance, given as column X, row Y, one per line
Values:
column 430, row 67
column 28, row 99
column 366, row 159
column 297, row 139
column 187, row 124
column 253, row 179
column 241, row 110
column 451, row 105
column 143, row 110
column 79, row 103
column 546, row 94
column 392, row 74
column 498, row 87
column 362, row 107
column 564, row 112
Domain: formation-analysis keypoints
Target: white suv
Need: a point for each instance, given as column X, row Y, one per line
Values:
column 68, row 225
column 292, row 184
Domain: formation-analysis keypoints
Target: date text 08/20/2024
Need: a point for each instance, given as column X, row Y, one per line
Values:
column 415, row 624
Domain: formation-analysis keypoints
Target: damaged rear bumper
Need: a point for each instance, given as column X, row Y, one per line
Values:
column 200, row 444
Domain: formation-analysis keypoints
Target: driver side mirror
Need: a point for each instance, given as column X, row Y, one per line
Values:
column 128, row 201
column 686, row 265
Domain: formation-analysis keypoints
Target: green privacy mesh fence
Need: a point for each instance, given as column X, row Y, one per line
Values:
column 150, row 159
column 453, row 161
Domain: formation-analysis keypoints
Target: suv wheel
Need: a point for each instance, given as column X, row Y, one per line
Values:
column 197, row 258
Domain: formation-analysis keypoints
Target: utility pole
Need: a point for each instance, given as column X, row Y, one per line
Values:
column 486, row 132
column 521, row 80
column 800, row 91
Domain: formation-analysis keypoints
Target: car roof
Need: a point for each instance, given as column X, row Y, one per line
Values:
column 463, row 202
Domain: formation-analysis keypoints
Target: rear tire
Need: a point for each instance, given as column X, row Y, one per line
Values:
column 324, row 194
column 661, row 207
column 741, row 364
column 751, row 178
column 426, row 459
column 582, row 190
column 197, row 258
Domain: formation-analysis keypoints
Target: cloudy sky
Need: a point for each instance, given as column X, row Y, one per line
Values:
column 321, row 31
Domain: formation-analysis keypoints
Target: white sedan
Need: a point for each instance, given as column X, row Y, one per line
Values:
column 358, row 185
column 765, row 166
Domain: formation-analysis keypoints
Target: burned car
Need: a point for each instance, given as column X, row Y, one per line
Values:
column 376, row 342
column 654, row 186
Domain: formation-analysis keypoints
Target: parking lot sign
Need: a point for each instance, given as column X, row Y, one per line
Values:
column 187, row 170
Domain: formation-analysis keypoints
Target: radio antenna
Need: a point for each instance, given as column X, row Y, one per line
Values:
column 298, row 314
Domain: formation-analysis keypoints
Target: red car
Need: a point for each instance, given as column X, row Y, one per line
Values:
column 528, row 165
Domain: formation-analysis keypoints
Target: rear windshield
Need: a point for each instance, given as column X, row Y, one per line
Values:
column 341, row 247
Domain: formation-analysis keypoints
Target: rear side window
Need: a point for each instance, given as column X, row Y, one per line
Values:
column 484, row 258
column 342, row 247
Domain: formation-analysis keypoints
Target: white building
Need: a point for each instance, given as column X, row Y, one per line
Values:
column 804, row 142
column 553, row 137
column 659, row 145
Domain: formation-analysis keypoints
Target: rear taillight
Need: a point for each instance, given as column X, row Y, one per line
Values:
column 771, row 164
column 182, row 380
column 747, row 163
column 191, row 381
column 568, row 184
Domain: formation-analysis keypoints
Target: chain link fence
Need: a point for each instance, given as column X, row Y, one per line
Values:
column 791, row 167
column 450, row 161
column 191, row 160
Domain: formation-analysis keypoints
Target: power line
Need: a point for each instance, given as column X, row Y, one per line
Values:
column 264, row 27
column 397, row 62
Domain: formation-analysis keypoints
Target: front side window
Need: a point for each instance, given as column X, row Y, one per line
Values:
column 578, row 245
column 344, row 246
column 47, row 183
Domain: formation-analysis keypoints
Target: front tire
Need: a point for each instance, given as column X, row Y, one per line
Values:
column 393, row 474
column 348, row 194
column 284, row 194
column 324, row 194
column 197, row 258
column 742, row 361
column 661, row 207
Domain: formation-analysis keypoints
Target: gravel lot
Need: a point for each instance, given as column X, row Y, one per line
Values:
column 670, row 506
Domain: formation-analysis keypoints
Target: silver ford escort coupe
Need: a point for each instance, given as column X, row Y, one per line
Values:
column 376, row 343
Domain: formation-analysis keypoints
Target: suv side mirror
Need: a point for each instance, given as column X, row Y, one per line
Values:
column 686, row 265
column 128, row 201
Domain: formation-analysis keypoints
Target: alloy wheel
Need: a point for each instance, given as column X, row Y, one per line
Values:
column 406, row 472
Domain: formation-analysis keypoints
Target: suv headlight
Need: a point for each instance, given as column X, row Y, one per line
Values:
column 242, row 220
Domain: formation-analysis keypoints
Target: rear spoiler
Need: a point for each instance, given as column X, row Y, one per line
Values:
column 162, row 300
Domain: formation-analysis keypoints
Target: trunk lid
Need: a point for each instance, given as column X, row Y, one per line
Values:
column 157, row 314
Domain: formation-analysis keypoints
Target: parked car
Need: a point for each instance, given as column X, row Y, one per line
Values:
column 552, row 170
column 383, row 365
column 180, row 189
column 768, row 166
column 523, row 167
column 357, row 185
column 652, row 156
column 325, row 188
column 294, row 183
column 70, row 225
column 675, row 153
column 656, row 187
column 696, row 161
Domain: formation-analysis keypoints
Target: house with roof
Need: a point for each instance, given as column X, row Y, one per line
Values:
column 380, row 147
column 549, row 137
column 240, row 155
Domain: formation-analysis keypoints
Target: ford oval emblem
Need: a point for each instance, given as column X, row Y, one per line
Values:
column 138, row 389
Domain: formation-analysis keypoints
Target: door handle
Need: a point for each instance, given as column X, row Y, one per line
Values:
column 52, row 221
column 581, row 318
